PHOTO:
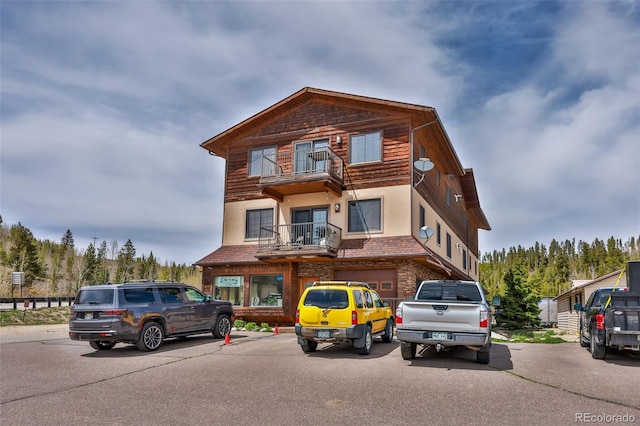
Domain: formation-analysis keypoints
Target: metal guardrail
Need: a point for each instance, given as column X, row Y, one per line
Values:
column 300, row 235
column 34, row 302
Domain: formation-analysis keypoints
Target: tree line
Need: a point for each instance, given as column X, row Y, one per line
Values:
column 551, row 270
column 60, row 268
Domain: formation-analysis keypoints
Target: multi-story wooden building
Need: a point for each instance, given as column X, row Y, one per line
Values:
column 326, row 185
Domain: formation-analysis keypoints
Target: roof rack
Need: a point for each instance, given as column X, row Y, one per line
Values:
column 346, row 283
column 143, row 281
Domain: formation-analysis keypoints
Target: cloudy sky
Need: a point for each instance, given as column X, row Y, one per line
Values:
column 104, row 105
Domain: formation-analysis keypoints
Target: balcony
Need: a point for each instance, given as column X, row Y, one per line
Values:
column 312, row 239
column 300, row 172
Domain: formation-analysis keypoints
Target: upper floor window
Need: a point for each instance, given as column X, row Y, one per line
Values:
column 422, row 217
column 448, row 245
column 366, row 147
column 438, row 233
column 255, row 160
column 448, row 196
column 257, row 221
column 438, row 177
column 365, row 215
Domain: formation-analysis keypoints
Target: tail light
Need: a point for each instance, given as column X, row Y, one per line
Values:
column 354, row 318
column 484, row 319
column 600, row 321
column 297, row 316
column 399, row 315
column 115, row 312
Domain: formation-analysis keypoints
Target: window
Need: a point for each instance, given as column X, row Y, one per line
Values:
column 448, row 245
column 257, row 221
column 230, row 288
column 368, row 300
column 422, row 217
column 438, row 233
column 312, row 156
column 438, row 177
column 365, row 216
column 138, row 295
column 194, row 295
column 386, row 285
column 376, row 301
column 365, row 148
column 464, row 260
column 448, row 196
column 357, row 297
column 255, row 161
column 171, row 295
column 265, row 290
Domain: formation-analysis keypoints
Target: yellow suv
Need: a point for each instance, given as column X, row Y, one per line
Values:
column 341, row 311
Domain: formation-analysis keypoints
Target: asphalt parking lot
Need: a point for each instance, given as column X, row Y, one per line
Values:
column 261, row 378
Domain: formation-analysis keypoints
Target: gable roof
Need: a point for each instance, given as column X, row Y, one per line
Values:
column 441, row 148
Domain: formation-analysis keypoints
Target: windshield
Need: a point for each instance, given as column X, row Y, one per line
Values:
column 449, row 291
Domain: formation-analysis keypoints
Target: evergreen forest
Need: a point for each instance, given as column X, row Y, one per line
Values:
column 60, row 268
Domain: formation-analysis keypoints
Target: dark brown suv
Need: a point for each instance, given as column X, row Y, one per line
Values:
column 145, row 314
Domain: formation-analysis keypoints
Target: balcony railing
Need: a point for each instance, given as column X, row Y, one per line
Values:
column 317, row 237
column 301, row 162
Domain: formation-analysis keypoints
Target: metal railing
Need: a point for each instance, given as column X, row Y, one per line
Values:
column 302, row 162
column 297, row 236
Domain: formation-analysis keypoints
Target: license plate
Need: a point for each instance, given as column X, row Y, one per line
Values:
column 88, row 315
column 440, row 336
column 323, row 334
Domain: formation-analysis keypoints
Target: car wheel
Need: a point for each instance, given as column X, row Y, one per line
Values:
column 151, row 337
column 387, row 337
column 222, row 327
column 483, row 356
column 408, row 350
column 597, row 351
column 102, row 346
column 368, row 342
column 310, row 346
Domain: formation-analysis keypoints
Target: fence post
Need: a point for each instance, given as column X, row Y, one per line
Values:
column 34, row 303
column 15, row 304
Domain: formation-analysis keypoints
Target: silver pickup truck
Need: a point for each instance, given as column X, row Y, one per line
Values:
column 444, row 314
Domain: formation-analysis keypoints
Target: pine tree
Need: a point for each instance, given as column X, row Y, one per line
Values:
column 520, row 302
column 23, row 255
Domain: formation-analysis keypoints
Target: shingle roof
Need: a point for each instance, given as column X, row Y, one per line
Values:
column 385, row 247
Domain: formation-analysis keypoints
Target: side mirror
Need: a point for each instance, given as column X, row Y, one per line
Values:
column 495, row 301
column 577, row 307
column 385, row 304
column 207, row 298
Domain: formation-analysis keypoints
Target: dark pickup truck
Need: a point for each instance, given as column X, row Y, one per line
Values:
column 610, row 317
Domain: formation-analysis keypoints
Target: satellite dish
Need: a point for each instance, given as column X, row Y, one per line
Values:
column 423, row 164
column 425, row 232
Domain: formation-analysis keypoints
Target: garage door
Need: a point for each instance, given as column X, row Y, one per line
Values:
column 384, row 281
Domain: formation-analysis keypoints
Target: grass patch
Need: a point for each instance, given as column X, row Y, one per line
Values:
column 38, row 316
column 529, row 336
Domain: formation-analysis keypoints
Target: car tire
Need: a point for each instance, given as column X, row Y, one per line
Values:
column 101, row 345
column 222, row 327
column 151, row 337
column 598, row 351
column 368, row 342
column 483, row 356
column 387, row 337
column 408, row 350
column 310, row 346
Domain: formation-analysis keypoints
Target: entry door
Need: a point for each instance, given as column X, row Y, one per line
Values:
column 310, row 224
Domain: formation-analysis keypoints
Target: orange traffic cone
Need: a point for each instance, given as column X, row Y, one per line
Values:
column 227, row 339
column 275, row 330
